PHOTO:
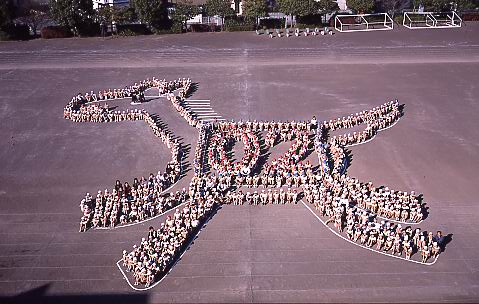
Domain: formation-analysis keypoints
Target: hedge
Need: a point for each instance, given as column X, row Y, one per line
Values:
column 132, row 29
column 15, row 32
column 50, row 32
column 240, row 28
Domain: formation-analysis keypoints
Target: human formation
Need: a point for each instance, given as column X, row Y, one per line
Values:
column 375, row 217
column 144, row 198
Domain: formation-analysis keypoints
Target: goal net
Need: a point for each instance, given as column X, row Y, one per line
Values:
column 424, row 20
column 363, row 22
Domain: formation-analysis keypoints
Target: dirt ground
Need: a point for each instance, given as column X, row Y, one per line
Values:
column 247, row 253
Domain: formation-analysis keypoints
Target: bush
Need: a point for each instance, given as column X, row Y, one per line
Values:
column 304, row 25
column 240, row 28
column 132, row 29
column 204, row 28
column 398, row 19
column 239, row 25
column 50, row 32
column 177, row 28
column 311, row 20
column 15, row 32
column 3, row 36
column 271, row 23
column 89, row 29
column 470, row 16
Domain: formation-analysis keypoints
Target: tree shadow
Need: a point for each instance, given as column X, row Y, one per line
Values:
column 39, row 295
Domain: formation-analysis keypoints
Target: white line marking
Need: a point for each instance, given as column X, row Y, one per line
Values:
column 360, row 245
column 209, row 116
column 212, row 119
column 197, row 100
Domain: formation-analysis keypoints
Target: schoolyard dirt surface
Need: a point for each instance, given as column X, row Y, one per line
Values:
column 245, row 253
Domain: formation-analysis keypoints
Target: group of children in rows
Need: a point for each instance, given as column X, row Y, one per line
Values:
column 159, row 250
column 362, row 226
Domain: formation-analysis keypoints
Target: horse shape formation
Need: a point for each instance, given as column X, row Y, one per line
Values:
column 375, row 218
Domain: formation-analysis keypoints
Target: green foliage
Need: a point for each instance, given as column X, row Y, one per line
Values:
column 240, row 24
column 185, row 10
column 361, row 6
column 444, row 5
column 298, row 7
column 6, row 13
column 220, row 8
column 152, row 12
column 327, row 6
column 255, row 8
column 74, row 14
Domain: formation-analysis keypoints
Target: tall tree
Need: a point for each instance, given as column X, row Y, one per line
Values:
column 298, row 7
column 436, row 5
column 327, row 6
column 460, row 5
column 74, row 14
column 221, row 8
column 255, row 8
column 6, row 12
column 184, row 11
column 152, row 12
column 390, row 6
column 35, row 18
column 116, row 14
column 361, row 6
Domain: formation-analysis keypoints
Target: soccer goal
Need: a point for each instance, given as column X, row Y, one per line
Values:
column 363, row 23
column 425, row 20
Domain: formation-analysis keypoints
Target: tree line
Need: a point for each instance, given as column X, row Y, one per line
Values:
column 78, row 16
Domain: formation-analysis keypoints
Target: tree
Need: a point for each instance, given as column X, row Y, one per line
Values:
column 35, row 19
column 6, row 12
column 152, row 12
column 461, row 5
column 221, row 8
column 73, row 14
column 184, row 11
column 390, row 6
column 298, row 7
column 116, row 14
column 435, row 5
column 255, row 8
column 361, row 6
column 328, row 6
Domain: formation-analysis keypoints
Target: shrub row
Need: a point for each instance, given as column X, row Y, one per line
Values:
column 55, row 31
column 14, row 32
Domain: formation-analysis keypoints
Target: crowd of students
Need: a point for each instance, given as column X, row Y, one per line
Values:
column 376, row 119
column 264, row 197
column 158, row 251
column 144, row 198
column 371, row 216
column 222, row 141
column 127, row 203
column 362, row 226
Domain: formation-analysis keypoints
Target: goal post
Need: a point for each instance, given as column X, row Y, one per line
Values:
column 363, row 23
column 427, row 20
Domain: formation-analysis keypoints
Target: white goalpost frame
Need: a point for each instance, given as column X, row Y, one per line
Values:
column 430, row 21
column 388, row 23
